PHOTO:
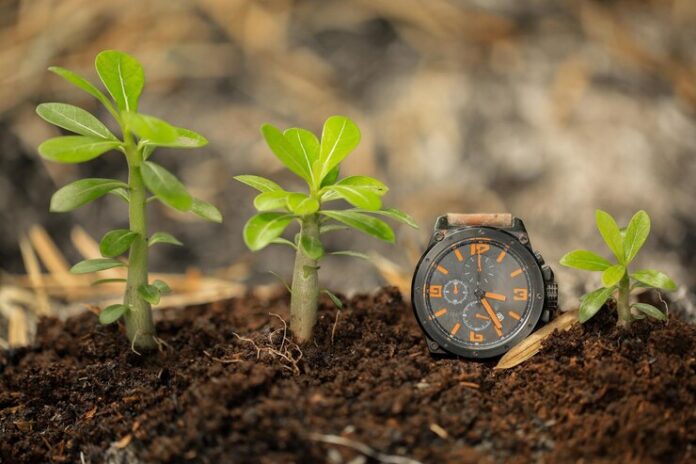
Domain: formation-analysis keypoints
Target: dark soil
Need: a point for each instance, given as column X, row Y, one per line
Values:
column 594, row 393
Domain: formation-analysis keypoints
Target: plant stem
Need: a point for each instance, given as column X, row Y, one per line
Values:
column 305, row 286
column 622, row 304
column 140, row 327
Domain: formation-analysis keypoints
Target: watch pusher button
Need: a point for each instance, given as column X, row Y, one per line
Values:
column 539, row 258
column 547, row 272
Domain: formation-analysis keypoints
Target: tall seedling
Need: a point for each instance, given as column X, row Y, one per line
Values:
column 317, row 163
column 123, row 77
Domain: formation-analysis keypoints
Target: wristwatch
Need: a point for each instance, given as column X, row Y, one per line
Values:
column 480, row 288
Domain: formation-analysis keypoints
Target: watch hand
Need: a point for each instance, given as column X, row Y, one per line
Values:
column 491, row 313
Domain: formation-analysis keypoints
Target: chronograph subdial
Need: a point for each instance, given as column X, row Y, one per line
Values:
column 479, row 269
column 455, row 291
column 475, row 317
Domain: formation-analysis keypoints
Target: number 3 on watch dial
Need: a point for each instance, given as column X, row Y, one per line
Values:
column 474, row 292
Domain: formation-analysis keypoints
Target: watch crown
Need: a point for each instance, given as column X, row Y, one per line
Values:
column 551, row 295
column 539, row 258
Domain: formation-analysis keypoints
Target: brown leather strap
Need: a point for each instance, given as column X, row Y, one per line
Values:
column 480, row 219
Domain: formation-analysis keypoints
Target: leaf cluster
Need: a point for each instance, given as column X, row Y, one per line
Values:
column 625, row 245
column 317, row 162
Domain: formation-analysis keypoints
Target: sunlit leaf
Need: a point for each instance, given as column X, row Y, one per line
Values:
column 82, row 83
column 285, row 152
column 163, row 237
column 650, row 310
column 306, row 145
column 612, row 235
column 311, row 246
column 612, row 275
column 150, row 129
column 206, row 211
column 116, row 242
column 166, row 186
column 112, row 313
column 149, row 293
column 655, row 279
column 74, row 119
column 593, row 301
column 636, row 234
column 122, row 76
column 364, row 223
column 339, row 137
column 302, row 204
column 162, row 286
column 94, row 265
column 259, row 183
column 586, row 260
column 263, row 228
column 81, row 192
column 268, row 201
column 75, row 148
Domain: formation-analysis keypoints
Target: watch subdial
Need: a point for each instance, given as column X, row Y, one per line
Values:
column 475, row 316
column 479, row 269
column 455, row 291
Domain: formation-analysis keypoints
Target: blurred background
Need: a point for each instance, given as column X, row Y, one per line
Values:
column 545, row 109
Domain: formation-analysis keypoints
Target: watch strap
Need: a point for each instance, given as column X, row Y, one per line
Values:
column 479, row 219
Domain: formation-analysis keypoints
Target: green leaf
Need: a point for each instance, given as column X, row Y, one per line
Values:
column 612, row 275
column 283, row 241
column 186, row 138
column 282, row 281
column 116, row 242
column 121, row 193
column 112, row 313
column 302, row 204
column 122, row 76
column 206, row 211
column 311, row 246
column 285, row 152
column 149, row 293
column 306, row 145
column 108, row 281
column 75, row 148
column 650, row 310
column 94, row 265
column 163, row 237
column 259, row 183
column 593, row 301
column 269, row 201
column 611, row 234
column 336, row 300
column 338, row 138
column 354, row 254
column 362, row 222
column 150, row 129
column 359, row 197
column 81, row 192
column 165, row 186
column 636, row 234
column 263, row 228
column 655, row 279
column 82, row 83
column 365, row 182
column 395, row 214
column 586, row 260
column 74, row 119
column 162, row 287
column 326, row 228
column 331, row 177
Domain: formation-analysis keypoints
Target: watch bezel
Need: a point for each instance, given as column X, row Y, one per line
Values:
column 420, row 306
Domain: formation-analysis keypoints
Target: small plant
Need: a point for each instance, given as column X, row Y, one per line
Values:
column 123, row 77
column 616, row 277
column 317, row 163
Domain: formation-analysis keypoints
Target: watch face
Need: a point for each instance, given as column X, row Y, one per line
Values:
column 478, row 292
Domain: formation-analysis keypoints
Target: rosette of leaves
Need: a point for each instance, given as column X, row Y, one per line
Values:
column 617, row 278
column 317, row 162
column 140, row 135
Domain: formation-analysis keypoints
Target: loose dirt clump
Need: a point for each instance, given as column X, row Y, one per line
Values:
column 233, row 387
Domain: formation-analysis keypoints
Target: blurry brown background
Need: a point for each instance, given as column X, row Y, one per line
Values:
column 546, row 109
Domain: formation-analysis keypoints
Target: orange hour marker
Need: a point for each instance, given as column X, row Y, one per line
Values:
column 455, row 329
column 520, row 294
column 442, row 269
column 514, row 315
column 501, row 256
column 496, row 296
column 474, row 337
column 435, row 291
column 481, row 316
column 516, row 272
column 440, row 312
column 458, row 254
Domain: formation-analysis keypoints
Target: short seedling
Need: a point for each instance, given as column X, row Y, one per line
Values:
column 625, row 244
column 123, row 78
column 317, row 163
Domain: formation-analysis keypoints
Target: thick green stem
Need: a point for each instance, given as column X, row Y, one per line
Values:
column 305, row 286
column 623, row 306
column 140, row 327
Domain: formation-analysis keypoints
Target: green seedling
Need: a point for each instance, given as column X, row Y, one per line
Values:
column 123, row 77
column 317, row 163
column 616, row 277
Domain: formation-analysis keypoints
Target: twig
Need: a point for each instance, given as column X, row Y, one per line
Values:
column 362, row 448
column 333, row 329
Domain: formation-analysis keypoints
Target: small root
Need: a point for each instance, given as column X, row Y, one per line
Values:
column 249, row 340
column 162, row 346
column 133, row 344
column 222, row 360
column 361, row 448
